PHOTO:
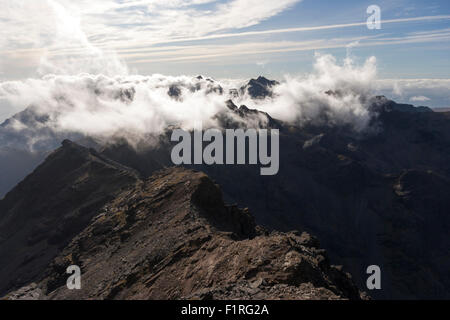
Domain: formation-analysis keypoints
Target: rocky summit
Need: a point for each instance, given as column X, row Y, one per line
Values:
column 166, row 237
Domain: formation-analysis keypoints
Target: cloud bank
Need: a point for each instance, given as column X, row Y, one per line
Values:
column 419, row 98
column 70, row 37
column 332, row 94
column 50, row 34
column 138, row 107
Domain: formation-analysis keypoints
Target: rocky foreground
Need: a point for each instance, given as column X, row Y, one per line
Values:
column 167, row 237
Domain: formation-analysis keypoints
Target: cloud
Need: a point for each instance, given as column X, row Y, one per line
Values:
column 304, row 99
column 242, row 49
column 419, row 99
column 295, row 30
column 70, row 37
column 140, row 108
column 415, row 90
column 262, row 63
column 132, row 107
column 32, row 29
column 97, row 36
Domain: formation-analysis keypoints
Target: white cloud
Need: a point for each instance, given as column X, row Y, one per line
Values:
column 70, row 37
column 98, row 106
column 138, row 107
column 419, row 99
column 97, row 36
column 78, row 31
column 303, row 99
column 416, row 90
column 32, row 29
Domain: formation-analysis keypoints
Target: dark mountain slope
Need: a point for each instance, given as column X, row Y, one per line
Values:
column 172, row 237
column 343, row 187
column 46, row 210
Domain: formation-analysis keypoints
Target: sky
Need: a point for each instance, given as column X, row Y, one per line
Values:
column 229, row 39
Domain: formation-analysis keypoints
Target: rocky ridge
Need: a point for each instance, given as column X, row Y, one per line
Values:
column 170, row 237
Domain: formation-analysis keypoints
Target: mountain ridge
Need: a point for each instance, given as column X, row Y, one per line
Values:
column 51, row 205
column 335, row 182
column 167, row 237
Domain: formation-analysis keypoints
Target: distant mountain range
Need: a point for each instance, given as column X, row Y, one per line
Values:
column 370, row 198
column 441, row 110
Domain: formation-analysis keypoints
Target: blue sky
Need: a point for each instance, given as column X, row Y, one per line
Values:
column 404, row 49
column 224, row 39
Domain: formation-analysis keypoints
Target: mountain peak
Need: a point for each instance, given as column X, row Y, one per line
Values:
column 259, row 88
